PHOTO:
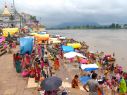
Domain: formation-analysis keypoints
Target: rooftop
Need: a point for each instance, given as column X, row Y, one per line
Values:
column 6, row 12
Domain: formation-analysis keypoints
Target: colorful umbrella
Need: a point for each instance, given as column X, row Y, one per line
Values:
column 89, row 67
column 67, row 48
column 73, row 54
column 84, row 61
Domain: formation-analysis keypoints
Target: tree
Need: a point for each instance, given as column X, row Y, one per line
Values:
column 33, row 18
column 112, row 25
column 118, row 26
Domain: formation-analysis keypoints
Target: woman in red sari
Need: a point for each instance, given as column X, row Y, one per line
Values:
column 32, row 72
column 56, row 64
column 27, row 59
column 37, row 73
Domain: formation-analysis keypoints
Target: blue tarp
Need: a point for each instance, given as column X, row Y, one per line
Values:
column 67, row 48
column 90, row 69
column 26, row 45
column 84, row 79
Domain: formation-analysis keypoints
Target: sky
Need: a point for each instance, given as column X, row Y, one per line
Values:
column 53, row 12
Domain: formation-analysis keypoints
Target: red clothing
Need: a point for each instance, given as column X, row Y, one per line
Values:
column 27, row 61
column 17, row 58
column 32, row 72
column 37, row 74
column 74, row 83
column 56, row 64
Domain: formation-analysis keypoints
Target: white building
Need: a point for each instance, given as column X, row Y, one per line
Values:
column 8, row 18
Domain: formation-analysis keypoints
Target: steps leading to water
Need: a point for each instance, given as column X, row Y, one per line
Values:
column 2, row 50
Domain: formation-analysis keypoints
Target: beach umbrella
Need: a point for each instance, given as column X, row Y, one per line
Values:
column 51, row 83
column 89, row 67
column 84, row 79
column 74, row 45
column 67, row 48
column 73, row 54
column 84, row 61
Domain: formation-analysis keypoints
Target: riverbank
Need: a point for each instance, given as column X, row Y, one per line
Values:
column 110, row 41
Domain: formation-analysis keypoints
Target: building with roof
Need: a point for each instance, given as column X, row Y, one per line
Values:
column 9, row 17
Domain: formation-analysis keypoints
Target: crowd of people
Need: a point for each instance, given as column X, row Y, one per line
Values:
column 109, row 79
column 45, row 57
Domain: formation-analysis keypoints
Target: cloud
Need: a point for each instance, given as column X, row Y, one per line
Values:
column 59, row 11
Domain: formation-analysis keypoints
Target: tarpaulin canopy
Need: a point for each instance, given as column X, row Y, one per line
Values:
column 26, row 45
column 89, row 67
column 73, row 54
column 11, row 31
column 67, row 48
column 41, row 38
column 74, row 45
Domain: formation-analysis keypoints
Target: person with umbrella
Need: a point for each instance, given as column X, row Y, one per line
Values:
column 51, row 85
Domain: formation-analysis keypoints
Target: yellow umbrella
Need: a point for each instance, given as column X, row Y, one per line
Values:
column 11, row 31
column 74, row 45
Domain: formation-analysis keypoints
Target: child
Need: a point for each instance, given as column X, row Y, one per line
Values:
column 75, row 82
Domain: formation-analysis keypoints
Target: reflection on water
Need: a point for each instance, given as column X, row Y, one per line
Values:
column 109, row 41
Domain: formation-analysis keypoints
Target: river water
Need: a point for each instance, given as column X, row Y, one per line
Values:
column 109, row 41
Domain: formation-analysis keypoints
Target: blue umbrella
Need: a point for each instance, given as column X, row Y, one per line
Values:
column 51, row 83
column 67, row 48
column 84, row 79
column 89, row 67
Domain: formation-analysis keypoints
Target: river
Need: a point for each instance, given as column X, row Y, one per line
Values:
column 109, row 41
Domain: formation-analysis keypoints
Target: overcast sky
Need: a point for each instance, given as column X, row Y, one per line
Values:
column 54, row 12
